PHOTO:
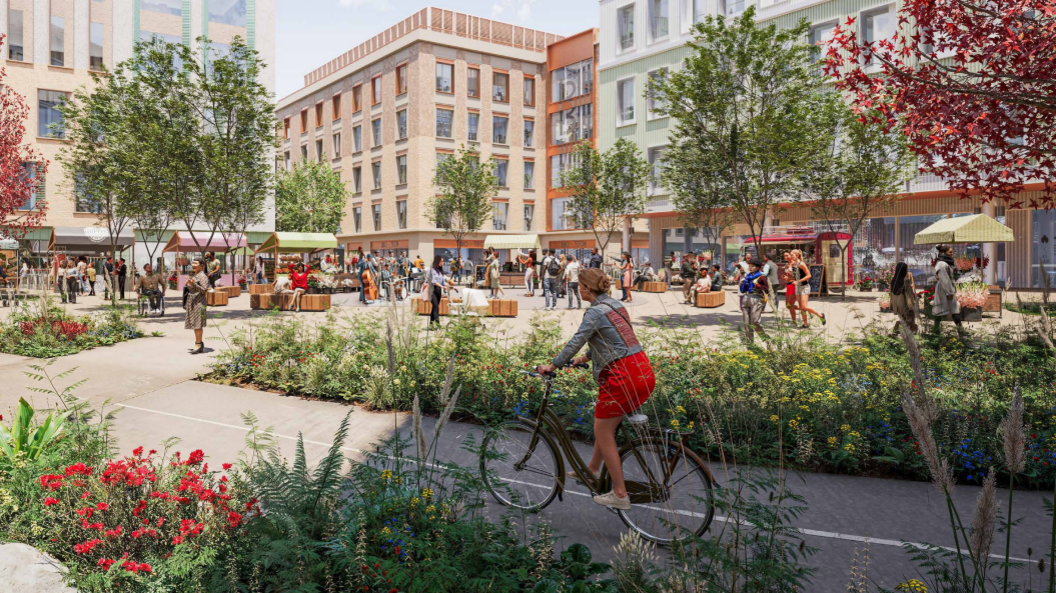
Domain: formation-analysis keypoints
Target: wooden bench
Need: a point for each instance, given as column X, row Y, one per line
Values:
column 232, row 291
column 423, row 307
column 710, row 300
column 261, row 288
column 502, row 308
column 216, row 298
column 654, row 287
column 314, row 302
column 283, row 301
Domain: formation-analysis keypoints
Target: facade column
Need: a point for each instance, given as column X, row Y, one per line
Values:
column 627, row 234
column 990, row 249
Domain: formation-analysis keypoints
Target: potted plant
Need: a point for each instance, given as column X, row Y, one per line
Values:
column 313, row 285
column 884, row 300
column 972, row 296
column 241, row 279
column 884, row 277
column 866, row 284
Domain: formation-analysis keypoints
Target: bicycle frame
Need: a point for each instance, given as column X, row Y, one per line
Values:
column 640, row 493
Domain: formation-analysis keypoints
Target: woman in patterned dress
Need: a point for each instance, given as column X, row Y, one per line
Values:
column 194, row 303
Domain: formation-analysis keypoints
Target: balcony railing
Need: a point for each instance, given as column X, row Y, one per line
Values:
column 659, row 27
column 626, row 40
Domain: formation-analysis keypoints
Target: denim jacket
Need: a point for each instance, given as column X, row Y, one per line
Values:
column 606, row 328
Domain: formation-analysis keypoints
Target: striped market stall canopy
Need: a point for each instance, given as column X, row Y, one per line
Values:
column 979, row 228
column 512, row 242
column 299, row 242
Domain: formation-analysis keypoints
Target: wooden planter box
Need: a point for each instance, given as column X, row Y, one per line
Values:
column 502, row 308
column 232, row 291
column 710, row 300
column 314, row 302
column 261, row 288
column 216, row 298
column 654, row 286
column 423, row 307
column 269, row 301
column 993, row 301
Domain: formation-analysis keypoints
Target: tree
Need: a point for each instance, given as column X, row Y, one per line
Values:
column 605, row 189
column 973, row 91
column 467, row 187
column 310, row 199
column 856, row 170
column 742, row 104
column 20, row 166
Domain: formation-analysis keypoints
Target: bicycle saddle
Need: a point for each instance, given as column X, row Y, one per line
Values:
column 637, row 419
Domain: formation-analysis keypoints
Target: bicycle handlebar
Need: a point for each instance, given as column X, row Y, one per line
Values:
column 552, row 375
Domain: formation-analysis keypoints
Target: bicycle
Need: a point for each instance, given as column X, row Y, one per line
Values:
column 671, row 489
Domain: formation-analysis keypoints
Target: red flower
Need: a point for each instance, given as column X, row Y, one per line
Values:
column 233, row 519
column 102, row 506
column 227, row 466
column 137, row 451
column 50, row 501
column 106, row 563
column 86, row 546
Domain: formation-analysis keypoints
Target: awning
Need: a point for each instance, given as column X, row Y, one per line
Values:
column 512, row 242
column 299, row 242
column 184, row 241
column 979, row 228
column 91, row 238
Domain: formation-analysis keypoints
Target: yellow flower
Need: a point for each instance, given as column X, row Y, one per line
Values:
column 415, row 501
column 845, row 427
column 430, row 509
column 680, row 409
column 385, row 531
column 912, row 585
column 386, row 475
column 412, row 383
column 396, row 382
column 832, row 441
column 849, row 448
column 774, row 418
column 674, row 423
column 427, row 493
column 690, row 427
column 792, row 424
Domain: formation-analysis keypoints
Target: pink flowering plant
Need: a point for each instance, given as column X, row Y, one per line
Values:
column 972, row 295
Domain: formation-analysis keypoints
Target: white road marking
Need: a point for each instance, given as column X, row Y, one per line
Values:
column 810, row 532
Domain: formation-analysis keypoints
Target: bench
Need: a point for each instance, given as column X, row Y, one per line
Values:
column 710, row 300
column 216, row 298
column 502, row 308
column 654, row 287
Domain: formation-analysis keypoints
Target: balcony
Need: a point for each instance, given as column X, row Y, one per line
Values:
column 626, row 41
column 659, row 29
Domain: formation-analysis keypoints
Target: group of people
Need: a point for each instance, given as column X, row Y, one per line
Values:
column 391, row 275
column 78, row 276
column 558, row 275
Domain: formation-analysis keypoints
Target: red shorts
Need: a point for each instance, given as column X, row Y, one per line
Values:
column 791, row 298
column 624, row 386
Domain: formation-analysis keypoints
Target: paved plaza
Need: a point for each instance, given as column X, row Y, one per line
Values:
column 151, row 385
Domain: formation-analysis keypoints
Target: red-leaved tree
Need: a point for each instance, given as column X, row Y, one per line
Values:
column 20, row 165
column 973, row 89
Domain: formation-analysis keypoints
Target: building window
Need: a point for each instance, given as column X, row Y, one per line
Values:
column 473, row 82
column 357, row 181
column 625, row 26
column 877, row 25
column 529, row 91
column 95, row 46
column 625, row 102
column 286, row 160
column 498, row 215
column 304, row 121
column 733, row 7
column 335, row 107
column 529, row 214
column 304, row 152
column 401, row 79
column 529, row 131
column 401, row 124
column 401, row 169
column 559, row 164
column 441, row 157
column 337, row 145
column 559, row 216
column 50, row 123
column 286, row 128
column 658, row 19
column 502, row 167
column 445, row 78
column 444, row 118
column 376, row 208
column 357, row 139
column 376, row 169
column 357, row 98
column 228, row 12
column 656, row 103
column 572, row 81
column 656, row 164
column 29, row 170
column 473, row 122
column 15, row 38
column 401, row 214
column 357, row 218
column 163, row 6
column 529, row 174
column 375, row 90
column 319, row 154
column 376, row 126
column 821, row 35
column 700, row 10
column 500, row 84
column 498, row 129
column 319, row 114
column 572, row 125
column 58, row 40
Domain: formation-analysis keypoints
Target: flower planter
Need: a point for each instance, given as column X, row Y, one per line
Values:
column 313, row 290
column 975, row 314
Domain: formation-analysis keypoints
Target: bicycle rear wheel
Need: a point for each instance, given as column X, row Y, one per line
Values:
column 677, row 510
column 529, row 486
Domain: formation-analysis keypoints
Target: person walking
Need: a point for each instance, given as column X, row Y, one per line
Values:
column 258, row 270
column 903, row 297
column 773, row 279
column 122, row 274
column 788, row 278
column 572, row 282
column 82, row 275
column 688, row 272
column 595, row 259
column 72, row 282
column 754, row 291
column 528, row 261
column 945, row 304
column 801, row 278
column 622, row 371
column 626, row 266
column 365, row 265
column 551, row 270
column 494, row 277
column 299, row 284
column 436, row 284
column 194, row 303
column 91, row 279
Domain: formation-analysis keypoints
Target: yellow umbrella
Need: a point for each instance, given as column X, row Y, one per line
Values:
column 979, row 228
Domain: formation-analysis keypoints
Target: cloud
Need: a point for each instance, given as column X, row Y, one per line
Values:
column 521, row 8
column 378, row 5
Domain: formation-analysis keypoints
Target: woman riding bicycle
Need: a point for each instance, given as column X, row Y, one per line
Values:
column 624, row 375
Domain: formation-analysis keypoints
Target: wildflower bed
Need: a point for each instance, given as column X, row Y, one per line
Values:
column 810, row 405
column 43, row 331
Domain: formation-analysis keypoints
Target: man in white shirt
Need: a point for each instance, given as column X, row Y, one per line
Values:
column 572, row 279
column 551, row 270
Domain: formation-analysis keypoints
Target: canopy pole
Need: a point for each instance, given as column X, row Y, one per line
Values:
column 990, row 249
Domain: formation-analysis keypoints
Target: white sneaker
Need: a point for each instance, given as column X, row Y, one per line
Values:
column 612, row 501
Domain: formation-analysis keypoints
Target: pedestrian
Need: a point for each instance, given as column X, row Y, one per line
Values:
column 945, row 305
column 258, row 270
column 436, row 285
column 419, row 263
column 91, row 279
column 212, row 268
column 753, row 292
column 194, row 303
column 773, row 278
column 72, row 282
column 903, row 296
column 365, row 265
column 528, row 261
column 551, row 271
column 572, row 280
column 626, row 266
column 152, row 286
column 122, row 273
column 688, row 272
column 82, row 276
column 622, row 371
column 801, row 278
column 595, row 259
column 299, row 284
column 494, row 276
column 385, row 280
column 788, row 278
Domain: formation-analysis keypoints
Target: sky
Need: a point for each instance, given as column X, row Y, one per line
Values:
column 310, row 33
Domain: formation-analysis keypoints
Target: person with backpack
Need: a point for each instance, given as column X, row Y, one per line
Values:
column 551, row 272
column 754, row 291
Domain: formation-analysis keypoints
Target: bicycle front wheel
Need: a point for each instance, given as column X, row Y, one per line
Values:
column 679, row 508
column 517, row 474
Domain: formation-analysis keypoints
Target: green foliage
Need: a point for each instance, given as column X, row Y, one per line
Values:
column 41, row 330
column 466, row 187
column 310, row 199
column 606, row 188
column 23, row 439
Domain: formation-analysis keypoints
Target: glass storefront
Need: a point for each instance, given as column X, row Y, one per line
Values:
column 874, row 247
column 1043, row 248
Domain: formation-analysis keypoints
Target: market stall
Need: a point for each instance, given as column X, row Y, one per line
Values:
column 286, row 250
column 967, row 230
column 92, row 242
column 187, row 245
column 821, row 251
column 510, row 276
